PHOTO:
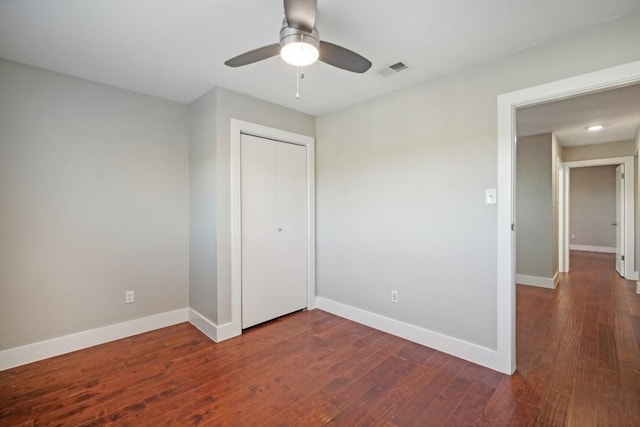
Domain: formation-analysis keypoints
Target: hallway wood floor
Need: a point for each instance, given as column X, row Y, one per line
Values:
column 578, row 346
column 578, row 364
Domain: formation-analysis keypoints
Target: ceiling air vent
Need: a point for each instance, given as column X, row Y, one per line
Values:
column 396, row 67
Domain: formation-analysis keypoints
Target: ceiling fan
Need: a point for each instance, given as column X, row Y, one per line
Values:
column 300, row 43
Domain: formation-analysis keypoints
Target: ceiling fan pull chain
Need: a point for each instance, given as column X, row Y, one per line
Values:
column 297, row 82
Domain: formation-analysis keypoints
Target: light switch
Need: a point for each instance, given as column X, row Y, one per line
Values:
column 490, row 196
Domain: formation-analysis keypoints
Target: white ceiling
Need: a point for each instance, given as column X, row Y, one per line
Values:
column 617, row 110
column 175, row 49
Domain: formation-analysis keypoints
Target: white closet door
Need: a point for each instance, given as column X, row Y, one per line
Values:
column 274, row 238
column 292, row 237
column 259, row 223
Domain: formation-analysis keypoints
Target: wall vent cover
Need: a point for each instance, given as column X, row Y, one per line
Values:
column 396, row 67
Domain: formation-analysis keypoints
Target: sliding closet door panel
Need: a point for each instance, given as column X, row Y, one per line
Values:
column 292, row 218
column 259, row 229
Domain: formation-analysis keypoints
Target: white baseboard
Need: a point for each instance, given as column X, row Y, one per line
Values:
column 216, row 332
column 637, row 287
column 465, row 350
column 588, row 248
column 541, row 282
column 56, row 346
column 634, row 276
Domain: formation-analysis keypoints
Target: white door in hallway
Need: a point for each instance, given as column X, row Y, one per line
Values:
column 274, row 230
column 619, row 223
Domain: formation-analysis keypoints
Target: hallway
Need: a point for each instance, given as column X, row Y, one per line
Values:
column 578, row 346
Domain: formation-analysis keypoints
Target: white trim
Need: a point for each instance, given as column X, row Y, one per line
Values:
column 507, row 103
column 541, row 282
column 564, row 220
column 562, row 266
column 635, row 276
column 589, row 248
column 463, row 349
column 637, row 287
column 56, row 346
column 607, row 161
column 216, row 332
column 239, row 127
column 629, row 213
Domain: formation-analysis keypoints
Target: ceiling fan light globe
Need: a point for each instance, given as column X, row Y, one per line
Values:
column 299, row 54
column 297, row 47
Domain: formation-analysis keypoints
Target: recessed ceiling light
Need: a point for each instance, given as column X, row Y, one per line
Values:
column 594, row 128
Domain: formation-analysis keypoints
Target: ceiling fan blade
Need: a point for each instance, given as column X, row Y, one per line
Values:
column 341, row 57
column 301, row 14
column 254, row 55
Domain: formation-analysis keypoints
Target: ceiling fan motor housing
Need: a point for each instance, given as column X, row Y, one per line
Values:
column 287, row 32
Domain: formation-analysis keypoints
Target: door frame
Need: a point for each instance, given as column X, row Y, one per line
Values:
column 239, row 127
column 629, row 204
column 609, row 78
column 563, row 217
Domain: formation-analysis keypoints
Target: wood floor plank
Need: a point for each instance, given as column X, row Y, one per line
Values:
column 578, row 350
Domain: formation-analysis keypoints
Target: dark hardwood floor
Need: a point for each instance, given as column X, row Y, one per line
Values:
column 578, row 364
column 578, row 346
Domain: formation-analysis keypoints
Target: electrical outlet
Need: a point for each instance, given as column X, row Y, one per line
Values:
column 394, row 297
column 129, row 297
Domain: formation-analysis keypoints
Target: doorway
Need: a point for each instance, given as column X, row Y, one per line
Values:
column 625, row 218
column 614, row 77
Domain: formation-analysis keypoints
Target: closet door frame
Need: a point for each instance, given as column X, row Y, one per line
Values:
column 239, row 127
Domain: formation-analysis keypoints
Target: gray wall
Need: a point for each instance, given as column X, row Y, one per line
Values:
column 599, row 151
column 592, row 205
column 93, row 202
column 211, row 185
column 400, row 186
column 203, row 296
column 534, row 207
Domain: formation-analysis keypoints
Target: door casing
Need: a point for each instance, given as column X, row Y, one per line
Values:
column 629, row 203
column 621, row 202
column 609, row 78
column 238, row 127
